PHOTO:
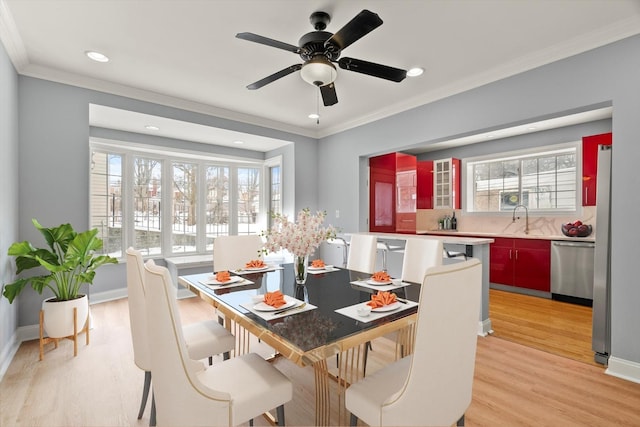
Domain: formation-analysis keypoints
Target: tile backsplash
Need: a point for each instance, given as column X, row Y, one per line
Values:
column 427, row 220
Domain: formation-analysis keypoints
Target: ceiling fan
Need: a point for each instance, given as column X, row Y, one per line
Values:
column 319, row 49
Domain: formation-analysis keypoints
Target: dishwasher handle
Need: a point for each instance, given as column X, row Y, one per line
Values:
column 574, row 244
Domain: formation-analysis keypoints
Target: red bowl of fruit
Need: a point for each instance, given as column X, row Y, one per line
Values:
column 576, row 229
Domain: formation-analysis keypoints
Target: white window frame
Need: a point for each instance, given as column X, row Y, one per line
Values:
column 468, row 184
column 167, row 156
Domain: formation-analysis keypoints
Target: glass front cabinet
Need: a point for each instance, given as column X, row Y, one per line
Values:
column 446, row 184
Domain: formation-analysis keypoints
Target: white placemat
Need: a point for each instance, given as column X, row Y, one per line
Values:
column 269, row 315
column 212, row 283
column 267, row 269
column 352, row 311
column 328, row 269
column 395, row 284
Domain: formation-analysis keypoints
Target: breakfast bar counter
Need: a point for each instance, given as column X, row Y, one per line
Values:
column 476, row 247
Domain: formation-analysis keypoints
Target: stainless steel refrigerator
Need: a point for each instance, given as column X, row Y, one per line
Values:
column 601, row 338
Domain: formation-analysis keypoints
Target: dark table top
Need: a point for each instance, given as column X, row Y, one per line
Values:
column 311, row 329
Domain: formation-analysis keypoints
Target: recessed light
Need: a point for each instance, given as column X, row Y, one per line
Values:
column 415, row 72
column 314, row 116
column 97, row 56
column 151, row 127
column 238, row 142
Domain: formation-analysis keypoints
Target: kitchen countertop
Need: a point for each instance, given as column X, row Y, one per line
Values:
column 452, row 233
column 450, row 237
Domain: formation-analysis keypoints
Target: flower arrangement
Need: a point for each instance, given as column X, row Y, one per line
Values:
column 302, row 237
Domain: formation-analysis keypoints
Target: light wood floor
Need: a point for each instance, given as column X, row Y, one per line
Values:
column 514, row 385
column 557, row 327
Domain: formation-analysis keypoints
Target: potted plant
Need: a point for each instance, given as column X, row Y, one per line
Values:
column 70, row 261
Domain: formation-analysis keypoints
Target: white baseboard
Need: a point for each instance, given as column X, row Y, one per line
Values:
column 625, row 369
column 484, row 327
column 96, row 298
column 8, row 352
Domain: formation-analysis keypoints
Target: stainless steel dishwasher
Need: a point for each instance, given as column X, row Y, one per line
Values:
column 572, row 271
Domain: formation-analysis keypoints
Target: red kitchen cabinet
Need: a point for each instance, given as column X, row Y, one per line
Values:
column 590, row 165
column 392, row 193
column 425, row 184
column 523, row 263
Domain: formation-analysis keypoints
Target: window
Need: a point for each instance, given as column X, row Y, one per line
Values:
column 106, row 200
column 206, row 197
column 542, row 181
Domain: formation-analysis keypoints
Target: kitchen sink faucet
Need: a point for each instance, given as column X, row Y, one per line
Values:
column 526, row 216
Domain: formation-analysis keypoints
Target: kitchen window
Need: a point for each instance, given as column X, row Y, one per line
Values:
column 544, row 181
column 204, row 196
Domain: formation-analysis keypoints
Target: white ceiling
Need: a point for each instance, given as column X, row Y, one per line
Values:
column 184, row 53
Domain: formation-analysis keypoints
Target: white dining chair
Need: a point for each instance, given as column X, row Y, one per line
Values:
column 233, row 252
column 362, row 253
column 189, row 394
column 432, row 386
column 204, row 339
column 420, row 254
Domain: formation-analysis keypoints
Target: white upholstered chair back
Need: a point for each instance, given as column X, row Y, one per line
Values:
column 137, row 310
column 232, row 252
column 181, row 399
column 362, row 253
column 438, row 388
column 420, row 254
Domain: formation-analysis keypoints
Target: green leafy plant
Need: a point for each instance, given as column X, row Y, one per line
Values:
column 70, row 262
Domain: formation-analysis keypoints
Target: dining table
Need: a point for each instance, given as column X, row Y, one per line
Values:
column 321, row 323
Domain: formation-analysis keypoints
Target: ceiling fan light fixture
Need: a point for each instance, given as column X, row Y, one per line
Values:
column 314, row 116
column 318, row 71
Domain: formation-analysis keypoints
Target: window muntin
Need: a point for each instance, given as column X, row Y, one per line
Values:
column 544, row 182
column 208, row 197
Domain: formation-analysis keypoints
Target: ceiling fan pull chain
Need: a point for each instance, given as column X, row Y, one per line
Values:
column 318, row 106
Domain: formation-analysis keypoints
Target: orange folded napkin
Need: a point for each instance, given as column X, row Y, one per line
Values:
column 317, row 263
column 274, row 299
column 223, row 276
column 255, row 263
column 381, row 276
column 381, row 299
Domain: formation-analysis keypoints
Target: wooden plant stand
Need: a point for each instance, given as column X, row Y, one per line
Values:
column 73, row 337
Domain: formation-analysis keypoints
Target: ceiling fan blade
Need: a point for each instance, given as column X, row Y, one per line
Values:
column 267, row 41
column 362, row 24
column 329, row 96
column 372, row 69
column 275, row 76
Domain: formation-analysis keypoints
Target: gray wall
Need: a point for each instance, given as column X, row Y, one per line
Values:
column 54, row 164
column 604, row 76
column 8, row 195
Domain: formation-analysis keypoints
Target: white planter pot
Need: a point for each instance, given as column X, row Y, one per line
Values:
column 58, row 316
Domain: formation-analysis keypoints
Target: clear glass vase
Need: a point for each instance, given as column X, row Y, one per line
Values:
column 300, row 264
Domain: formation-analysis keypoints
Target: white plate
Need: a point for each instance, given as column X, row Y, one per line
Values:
column 326, row 267
column 233, row 279
column 389, row 307
column 375, row 282
column 261, row 306
column 266, row 267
